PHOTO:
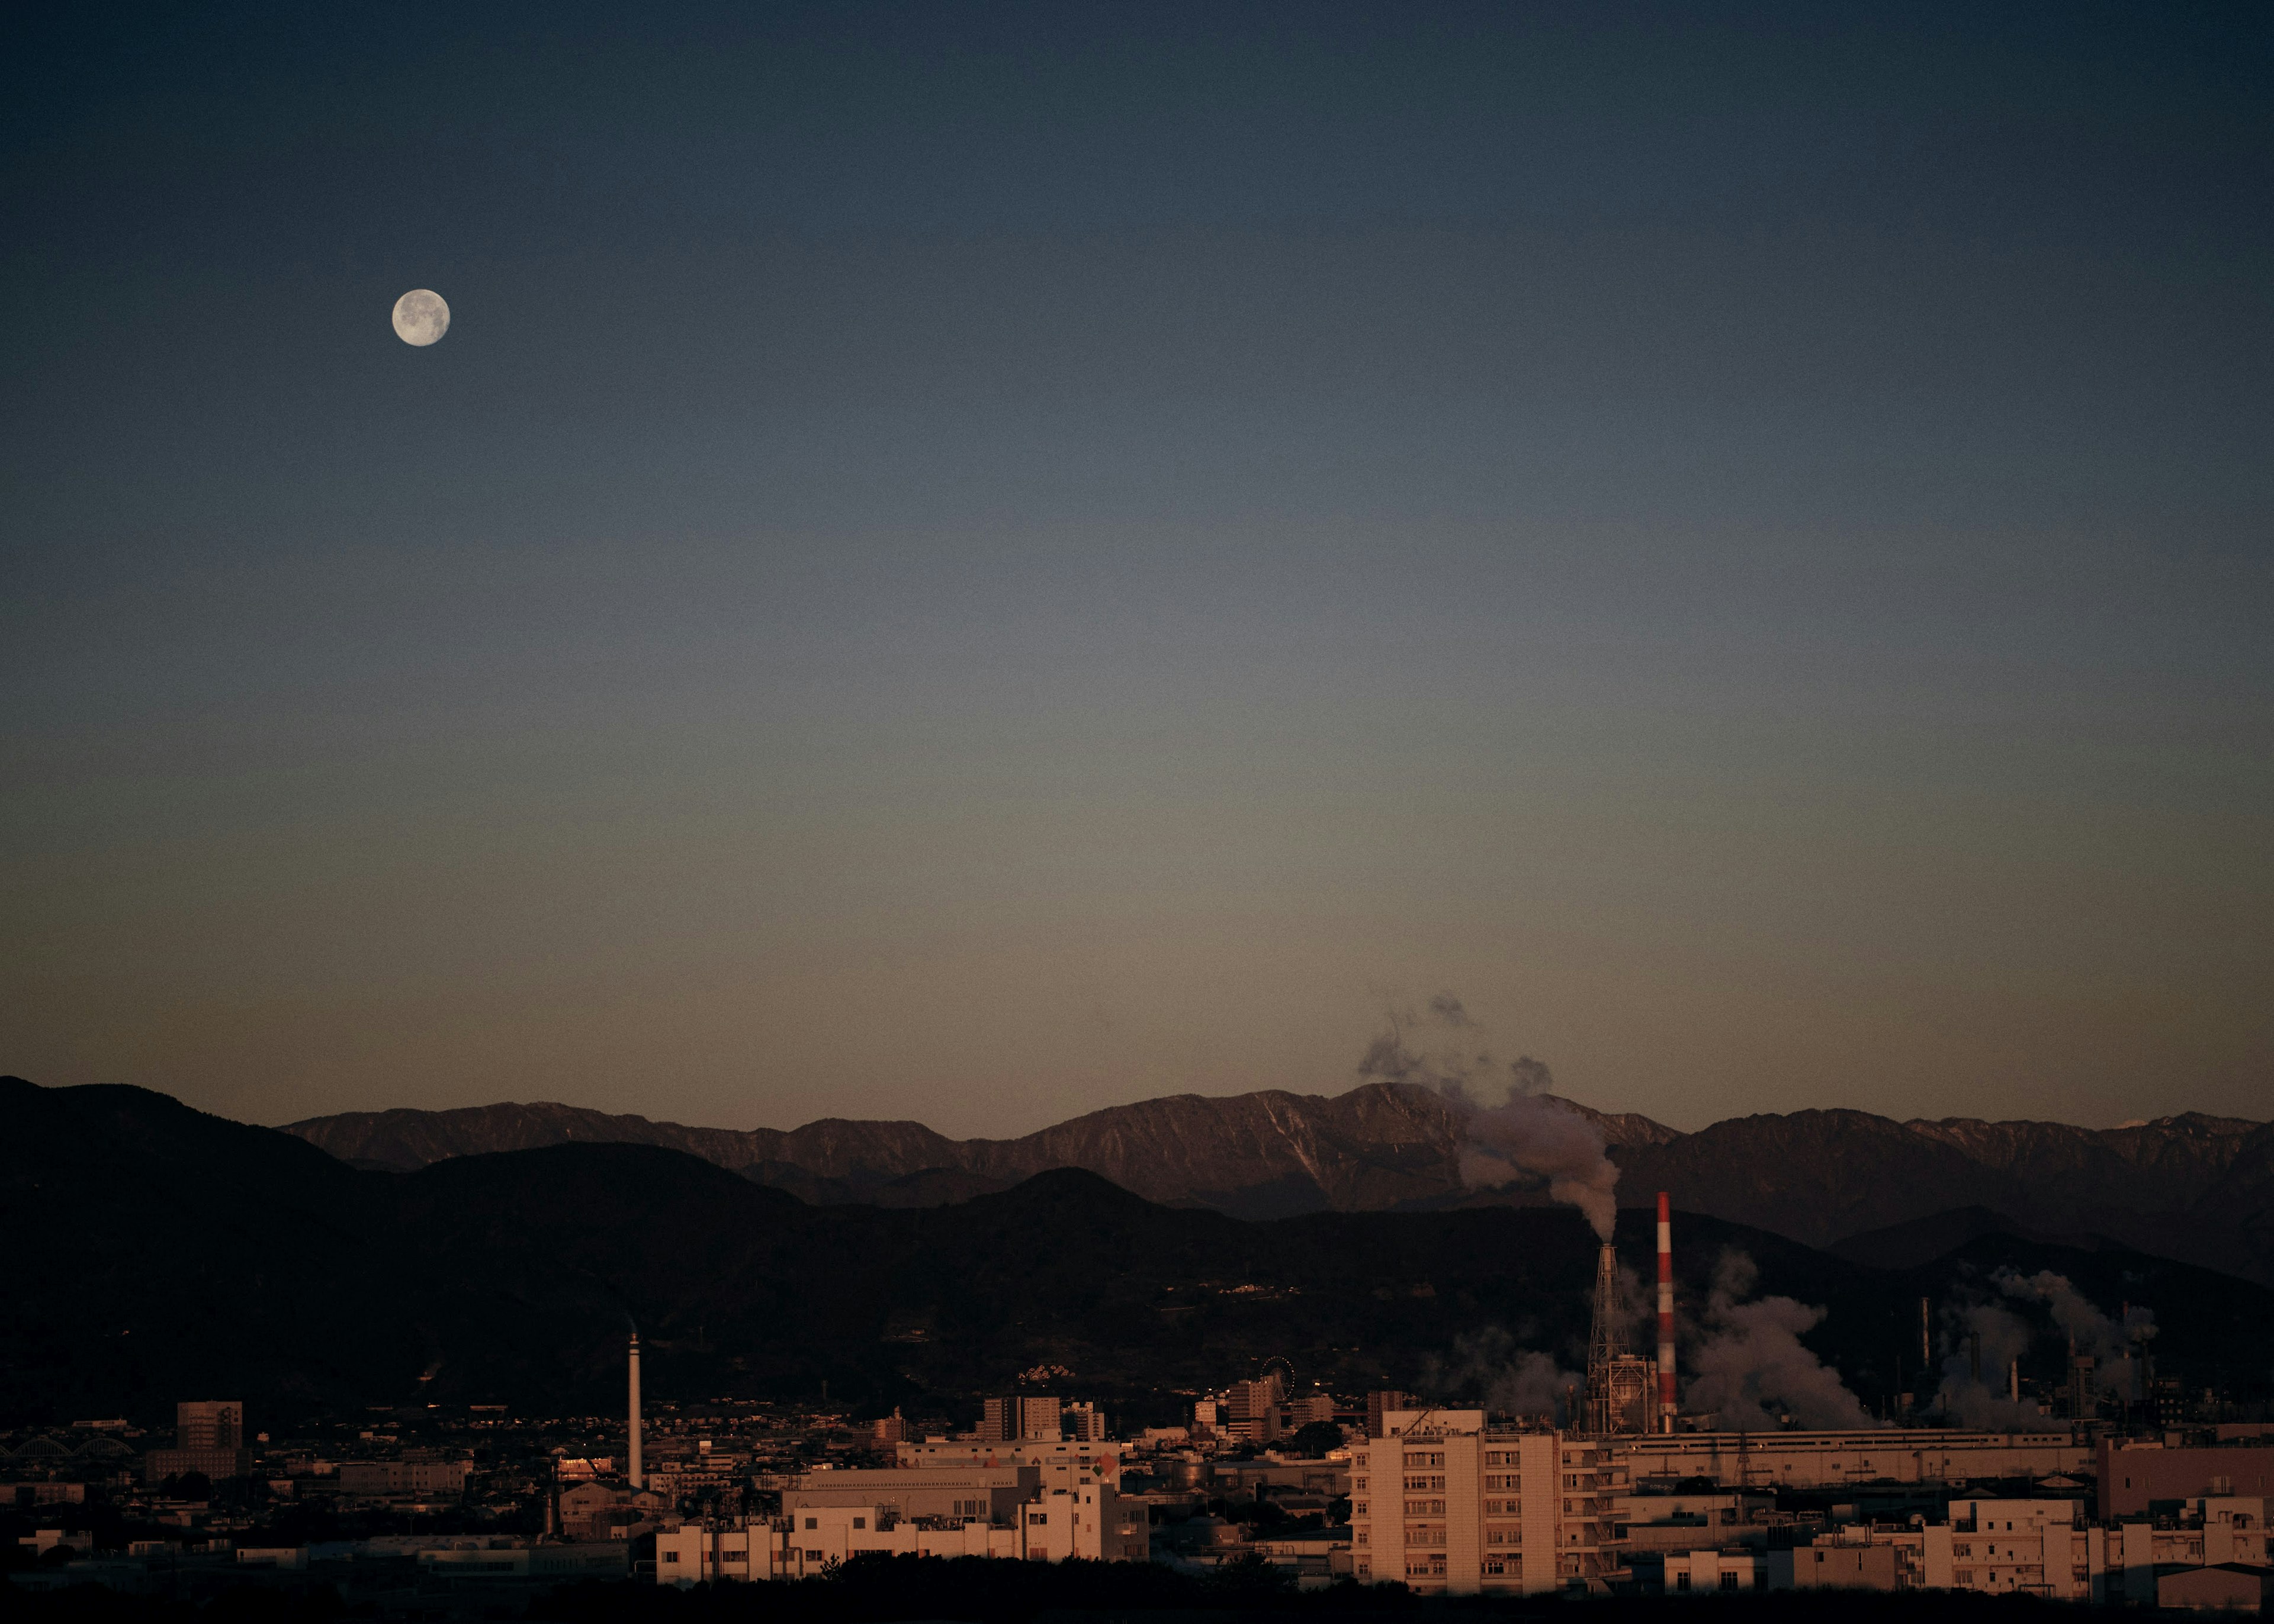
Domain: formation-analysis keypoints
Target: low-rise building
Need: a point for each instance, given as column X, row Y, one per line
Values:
column 1062, row 1463
column 1895, row 1563
column 955, row 1493
column 598, row 1511
column 2034, row 1547
column 1665, row 1521
column 1049, row 1526
column 2219, row 1587
column 1682, row 1572
column 1255, row 1478
column 413, row 1477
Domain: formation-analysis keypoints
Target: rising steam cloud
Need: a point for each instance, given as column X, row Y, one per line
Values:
column 1490, row 1367
column 1983, row 1401
column 1751, row 1366
column 2006, row 1335
column 1514, row 1129
column 2073, row 1314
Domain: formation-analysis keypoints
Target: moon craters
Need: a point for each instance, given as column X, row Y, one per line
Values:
column 421, row 317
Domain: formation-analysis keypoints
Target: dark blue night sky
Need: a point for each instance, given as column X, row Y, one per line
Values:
column 972, row 563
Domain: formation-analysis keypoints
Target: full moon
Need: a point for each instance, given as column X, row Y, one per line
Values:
column 421, row 317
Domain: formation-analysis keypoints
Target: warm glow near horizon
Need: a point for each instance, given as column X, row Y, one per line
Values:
column 974, row 579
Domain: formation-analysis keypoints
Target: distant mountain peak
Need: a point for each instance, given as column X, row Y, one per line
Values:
column 2189, row 1185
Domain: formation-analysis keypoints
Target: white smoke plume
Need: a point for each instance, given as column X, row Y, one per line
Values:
column 1515, row 1130
column 1984, row 1401
column 1751, row 1367
column 1491, row 1368
column 2092, row 1331
column 2007, row 1336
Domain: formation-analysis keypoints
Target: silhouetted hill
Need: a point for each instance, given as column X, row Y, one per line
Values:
column 1921, row 1240
column 2197, row 1188
column 164, row 1252
column 2194, row 1188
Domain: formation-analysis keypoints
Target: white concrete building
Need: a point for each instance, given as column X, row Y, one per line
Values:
column 1692, row 1572
column 1447, row 1505
column 1022, row 1520
column 989, row 1493
column 1062, row 1465
column 2036, row 1547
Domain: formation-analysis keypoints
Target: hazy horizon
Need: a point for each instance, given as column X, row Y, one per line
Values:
column 970, row 564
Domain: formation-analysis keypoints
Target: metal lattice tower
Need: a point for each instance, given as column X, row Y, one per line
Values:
column 1620, row 1385
column 1605, row 1343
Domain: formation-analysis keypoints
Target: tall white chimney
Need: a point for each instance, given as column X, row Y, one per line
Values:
column 638, row 1477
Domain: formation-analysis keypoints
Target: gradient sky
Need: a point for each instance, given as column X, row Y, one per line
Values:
column 975, row 563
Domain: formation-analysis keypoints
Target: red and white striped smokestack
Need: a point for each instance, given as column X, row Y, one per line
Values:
column 1665, row 1314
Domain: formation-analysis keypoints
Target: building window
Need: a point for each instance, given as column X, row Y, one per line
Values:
column 811, row 1523
column 860, row 1522
column 1682, row 1581
column 671, row 1556
column 1729, row 1582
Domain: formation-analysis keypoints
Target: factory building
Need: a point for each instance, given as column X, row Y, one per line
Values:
column 1009, row 1516
column 1447, row 1505
column 2134, row 1473
column 1832, row 1459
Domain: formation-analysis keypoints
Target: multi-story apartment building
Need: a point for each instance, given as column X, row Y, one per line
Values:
column 1253, row 1409
column 209, row 1423
column 1448, row 1505
column 208, row 1438
column 2038, row 1547
column 1011, row 1419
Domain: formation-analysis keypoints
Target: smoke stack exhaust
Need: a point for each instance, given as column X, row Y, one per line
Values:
column 638, row 1477
column 1666, row 1401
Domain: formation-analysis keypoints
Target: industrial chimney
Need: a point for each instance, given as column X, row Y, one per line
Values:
column 638, row 1477
column 1666, row 1400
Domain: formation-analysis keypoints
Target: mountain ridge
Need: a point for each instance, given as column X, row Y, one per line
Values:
column 162, row 1251
column 2192, row 1186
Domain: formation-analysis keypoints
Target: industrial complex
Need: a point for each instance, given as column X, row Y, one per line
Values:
column 1605, row 1483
